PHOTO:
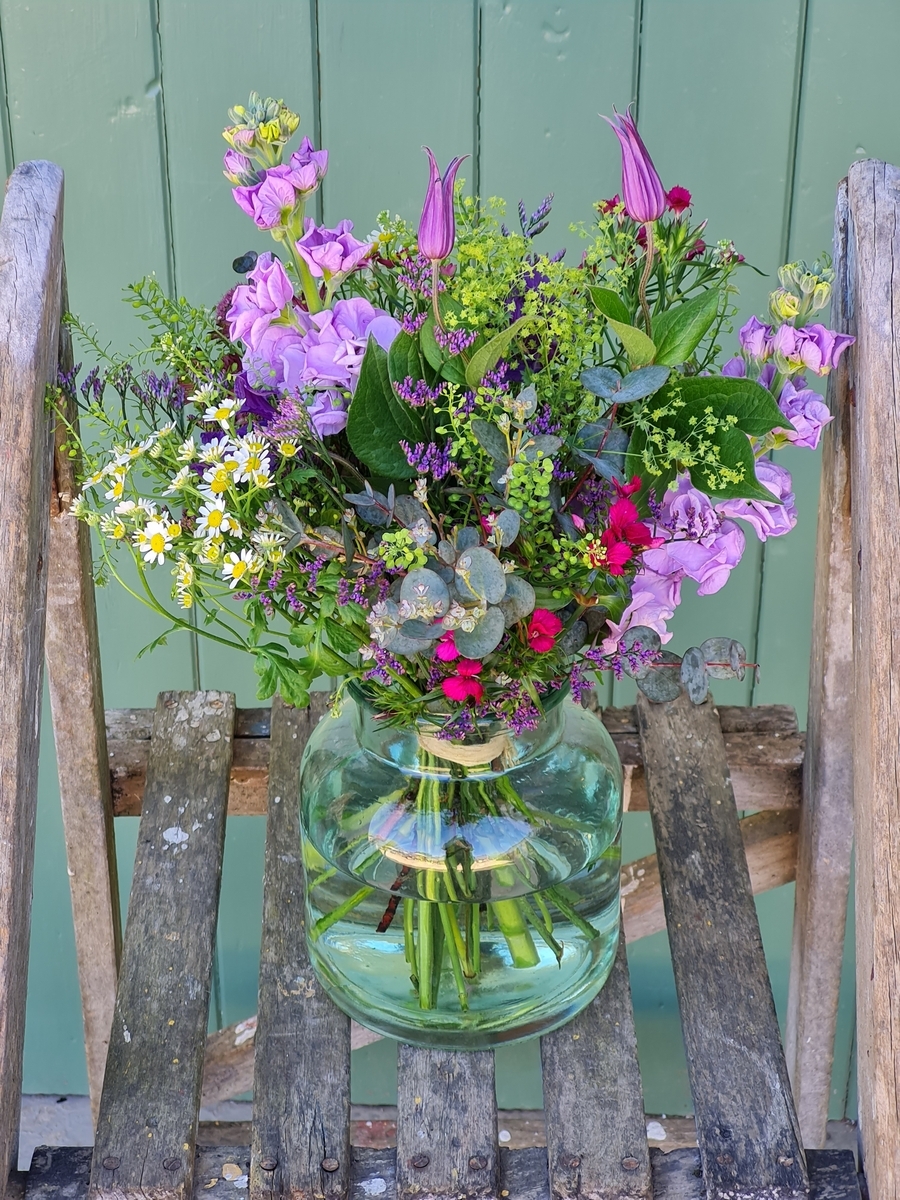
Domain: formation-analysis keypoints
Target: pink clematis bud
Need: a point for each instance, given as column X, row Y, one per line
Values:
column 642, row 189
column 437, row 227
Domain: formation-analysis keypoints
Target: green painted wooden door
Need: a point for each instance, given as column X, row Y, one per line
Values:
column 757, row 106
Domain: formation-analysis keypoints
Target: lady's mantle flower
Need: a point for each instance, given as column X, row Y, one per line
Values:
column 462, row 686
column 543, row 630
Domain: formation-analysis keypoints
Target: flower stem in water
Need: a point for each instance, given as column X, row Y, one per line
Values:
column 513, row 927
column 454, row 945
column 340, row 912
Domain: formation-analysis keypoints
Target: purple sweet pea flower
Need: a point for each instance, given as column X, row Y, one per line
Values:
column 806, row 411
column 437, row 225
column 768, row 519
column 257, row 304
column 331, row 253
column 756, row 339
column 642, row 189
column 814, row 347
column 654, row 599
column 327, row 413
column 254, row 401
column 701, row 545
column 735, row 368
column 238, row 167
column 308, row 156
column 270, row 202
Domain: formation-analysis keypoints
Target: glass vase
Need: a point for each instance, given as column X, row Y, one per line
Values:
column 460, row 895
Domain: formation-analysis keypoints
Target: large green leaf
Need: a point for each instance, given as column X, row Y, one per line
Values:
column 379, row 419
column 487, row 357
column 404, row 358
column 639, row 348
column 736, row 453
column 679, row 331
column 610, row 303
column 752, row 405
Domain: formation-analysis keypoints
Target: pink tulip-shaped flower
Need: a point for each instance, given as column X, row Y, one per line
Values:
column 437, row 226
column 642, row 189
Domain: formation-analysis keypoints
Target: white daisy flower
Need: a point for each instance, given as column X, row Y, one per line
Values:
column 214, row 520
column 221, row 411
column 287, row 449
column 237, row 567
column 212, row 550
column 253, row 462
column 114, row 527
column 178, row 482
column 217, row 481
column 117, row 489
column 187, row 451
column 153, row 541
column 127, row 506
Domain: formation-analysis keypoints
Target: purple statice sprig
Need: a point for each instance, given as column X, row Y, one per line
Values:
column 454, row 341
column 417, row 392
column 415, row 275
column 385, row 667
column 413, row 322
column 429, row 459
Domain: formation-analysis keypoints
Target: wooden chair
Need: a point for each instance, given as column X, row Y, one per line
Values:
column 194, row 758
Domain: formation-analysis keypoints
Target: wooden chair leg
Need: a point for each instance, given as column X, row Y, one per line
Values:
column 826, row 815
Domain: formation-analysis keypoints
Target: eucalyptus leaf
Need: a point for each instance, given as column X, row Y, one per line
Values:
column 446, row 552
column 421, row 630
column 526, row 402
column 479, row 576
column 545, row 444
column 408, row 510
column 465, row 538
column 519, row 600
column 639, row 348
column 403, row 646
column 717, row 654
column 694, row 677
column 487, row 357
column 484, row 638
column 507, row 525
column 421, row 585
column 490, row 439
column 738, row 658
column 601, row 381
column 641, row 383
column 573, row 638
column 663, row 682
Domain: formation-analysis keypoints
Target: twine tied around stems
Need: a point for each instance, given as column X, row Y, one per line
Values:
column 477, row 755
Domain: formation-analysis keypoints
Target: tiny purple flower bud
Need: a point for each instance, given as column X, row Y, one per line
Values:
column 437, row 227
column 642, row 189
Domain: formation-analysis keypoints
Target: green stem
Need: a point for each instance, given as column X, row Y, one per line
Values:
column 568, row 911
column 409, row 940
column 473, row 936
column 426, row 953
column 453, row 942
column 545, row 933
column 336, row 914
column 645, row 277
column 514, row 929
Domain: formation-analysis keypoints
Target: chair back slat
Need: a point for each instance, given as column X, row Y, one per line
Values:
column 147, row 1129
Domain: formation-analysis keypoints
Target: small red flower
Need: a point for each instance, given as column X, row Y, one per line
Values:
column 543, row 629
column 677, row 200
column 608, row 206
column 461, row 686
column 698, row 248
column 445, row 650
column 625, row 525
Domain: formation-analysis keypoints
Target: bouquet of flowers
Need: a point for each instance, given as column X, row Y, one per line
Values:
column 445, row 466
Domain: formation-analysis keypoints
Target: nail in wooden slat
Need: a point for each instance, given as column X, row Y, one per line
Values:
column 446, row 1124
column 30, row 278
column 593, row 1102
column 151, row 1092
column 301, row 1106
column 747, row 1129
column 826, row 814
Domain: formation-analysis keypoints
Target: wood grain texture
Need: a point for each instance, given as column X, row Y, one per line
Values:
column 763, row 746
column 30, row 281
column 151, row 1092
column 593, row 1102
column 746, row 1125
column 72, row 651
column 874, row 204
column 446, row 1124
column 826, row 814
column 301, row 1109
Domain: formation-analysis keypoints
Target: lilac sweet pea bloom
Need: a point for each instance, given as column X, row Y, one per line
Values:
column 437, row 225
column 642, row 189
column 270, row 202
column 768, row 519
column 735, row 368
column 702, row 546
column 256, row 305
column 238, row 167
column 806, row 411
column 654, row 599
column 814, row 347
column 756, row 339
column 331, row 253
column 308, row 156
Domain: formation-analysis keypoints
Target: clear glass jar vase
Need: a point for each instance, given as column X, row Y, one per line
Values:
column 460, row 895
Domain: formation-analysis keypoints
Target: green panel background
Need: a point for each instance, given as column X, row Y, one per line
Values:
column 757, row 107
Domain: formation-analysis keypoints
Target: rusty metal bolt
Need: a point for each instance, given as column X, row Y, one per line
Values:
column 111, row 1164
column 328, row 1164
column 268, row 1164
column 630, row 1164
column 172, row 1164
column 477, row 1162
column 420, row 1160
column 724, row 1159
column 784, row 1161
column 575, row 1162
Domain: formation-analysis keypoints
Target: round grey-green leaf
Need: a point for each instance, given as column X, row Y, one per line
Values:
column 694, row 676
column 717, row 657
column 648, row 638
column 465, row 538
column 420, row 630
column 508, row 523
column 519, row 600
column 484, row 638
column 424, row 586
column 479, row 576
column 573, row 639
column 663, row 681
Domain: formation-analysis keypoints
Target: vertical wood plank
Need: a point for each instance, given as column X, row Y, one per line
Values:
column 747, row 1129
column 144, row 1145
column 30, row 280
column 301, row 1091
column 446, row 1124
column 79, row 729
column 593, row 1102
column 874, row 200
column 826, row 815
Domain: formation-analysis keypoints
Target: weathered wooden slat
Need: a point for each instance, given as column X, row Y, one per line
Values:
column 826, row 821
column 770, row 844
column 874, row 236
column 30, row 279
column 62, row 1174
column 593, row 1101
column 746, row 1125
column 72, row 650
column 764, row 748
column 301, row 1109
column 151, row 1091
column 446, row 1124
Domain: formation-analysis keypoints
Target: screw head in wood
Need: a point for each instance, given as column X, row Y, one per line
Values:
column 111, row 1164
column 171, row 1164
column 268, row 1164
column 420, row 1160
column 329, row 1164
column 575, row 1162
column 724, row 1159
column 784, row 1161
column 630, row 1164
column 477, row 1162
